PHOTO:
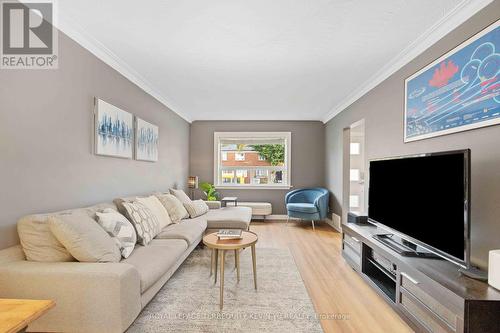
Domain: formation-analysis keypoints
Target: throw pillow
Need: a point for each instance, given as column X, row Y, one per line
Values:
column 145, row 223
column 119, row 205
column 174, row 207
column 158, row 210
column 196, row 208
column 38, row 242
column 181, row 195
column 119, row 229
column 84, row 238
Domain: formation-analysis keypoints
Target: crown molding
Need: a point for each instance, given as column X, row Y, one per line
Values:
column 441, row 28
column 79, row 35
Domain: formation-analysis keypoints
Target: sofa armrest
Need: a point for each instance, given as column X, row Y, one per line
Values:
column 213, row 204
column 90, row 297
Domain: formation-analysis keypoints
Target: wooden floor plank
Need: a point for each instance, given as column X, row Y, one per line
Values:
column 335, row 289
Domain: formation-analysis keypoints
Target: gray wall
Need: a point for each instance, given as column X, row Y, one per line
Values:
column 308, row 164
column 46, row 133
column 382, row 108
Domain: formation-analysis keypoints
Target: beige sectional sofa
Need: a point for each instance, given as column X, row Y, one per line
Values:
column 107, row 297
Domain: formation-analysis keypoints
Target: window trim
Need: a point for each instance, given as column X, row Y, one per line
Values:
column 288, row 158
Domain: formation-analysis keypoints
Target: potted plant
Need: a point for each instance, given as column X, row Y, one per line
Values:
column 209, row 191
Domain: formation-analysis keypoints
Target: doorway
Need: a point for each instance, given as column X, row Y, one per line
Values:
column 354, row 199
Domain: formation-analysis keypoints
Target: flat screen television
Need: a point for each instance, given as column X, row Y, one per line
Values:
column 424, row 199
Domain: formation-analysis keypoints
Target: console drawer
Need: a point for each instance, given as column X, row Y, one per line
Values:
column 351, row 255
column 353, row 242
column 434, row 298
column 418, row 313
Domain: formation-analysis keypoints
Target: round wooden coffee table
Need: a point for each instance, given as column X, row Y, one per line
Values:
column 221, row 246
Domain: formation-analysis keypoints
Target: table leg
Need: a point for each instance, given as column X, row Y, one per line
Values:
column 212, row 262
column 254, row 266
column 216, row 257
column 223, row 254
column 237, row 263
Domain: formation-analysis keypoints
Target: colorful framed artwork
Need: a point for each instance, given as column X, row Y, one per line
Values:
column 459, row 91
column 146, row 147
column 114, row 130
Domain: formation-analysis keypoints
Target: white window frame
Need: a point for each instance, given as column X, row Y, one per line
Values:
column 287, row 136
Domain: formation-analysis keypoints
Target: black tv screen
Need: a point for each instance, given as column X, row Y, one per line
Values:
column 425, row 198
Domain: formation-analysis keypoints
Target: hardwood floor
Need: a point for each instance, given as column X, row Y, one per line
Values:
column 335, row 289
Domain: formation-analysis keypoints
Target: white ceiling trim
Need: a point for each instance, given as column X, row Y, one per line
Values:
column 449, row 22
column 78, row 34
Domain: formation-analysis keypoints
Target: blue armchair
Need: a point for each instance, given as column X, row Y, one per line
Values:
column 307, row 204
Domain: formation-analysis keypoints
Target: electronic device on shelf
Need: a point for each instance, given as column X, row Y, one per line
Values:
column 355, row 217
column 383, row 262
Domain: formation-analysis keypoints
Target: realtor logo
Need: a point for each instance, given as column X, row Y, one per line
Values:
column 28, row 37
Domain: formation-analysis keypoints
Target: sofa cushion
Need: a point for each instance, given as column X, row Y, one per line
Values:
column 258, row 208
column 189, row 230
column 196, row 208
column 181, row 195
column 302, row 207
column 213, row 204
column 119, row 229
column 154, row 260
column 38, row 242
column 145, row 222
column 84, row 238
column 174, row 207
column 229, row 218
column 157, row 209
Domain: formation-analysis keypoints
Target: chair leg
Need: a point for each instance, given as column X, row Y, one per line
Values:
column 287, row 219
column 313, row 224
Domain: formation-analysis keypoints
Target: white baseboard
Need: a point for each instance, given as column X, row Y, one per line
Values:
column 335, row 222
column 279, row 217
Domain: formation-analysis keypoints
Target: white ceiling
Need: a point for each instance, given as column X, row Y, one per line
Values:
column 259, row 59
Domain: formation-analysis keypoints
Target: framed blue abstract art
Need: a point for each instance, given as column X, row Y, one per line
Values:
column 114, row 130
column 457, row 92
column 146, row 138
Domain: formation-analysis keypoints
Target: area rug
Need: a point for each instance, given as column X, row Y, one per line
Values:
column 189, row 301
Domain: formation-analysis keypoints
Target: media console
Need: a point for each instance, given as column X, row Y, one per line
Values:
column 431, row 295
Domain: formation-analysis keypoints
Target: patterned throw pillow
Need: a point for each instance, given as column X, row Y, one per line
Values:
column 196, row 208
column 174, row 207
column 181, row 195
column 146, row 224
column 156, row 207
column 119, row 228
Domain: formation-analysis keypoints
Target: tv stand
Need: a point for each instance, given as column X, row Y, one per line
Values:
column 404, row 247
column 430, row 295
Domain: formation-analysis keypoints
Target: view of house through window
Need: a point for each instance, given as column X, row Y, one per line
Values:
column 252, row 159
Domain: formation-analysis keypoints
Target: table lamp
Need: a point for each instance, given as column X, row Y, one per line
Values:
column 192, row 184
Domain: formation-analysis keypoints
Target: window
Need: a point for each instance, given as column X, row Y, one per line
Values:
column 252, row 159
